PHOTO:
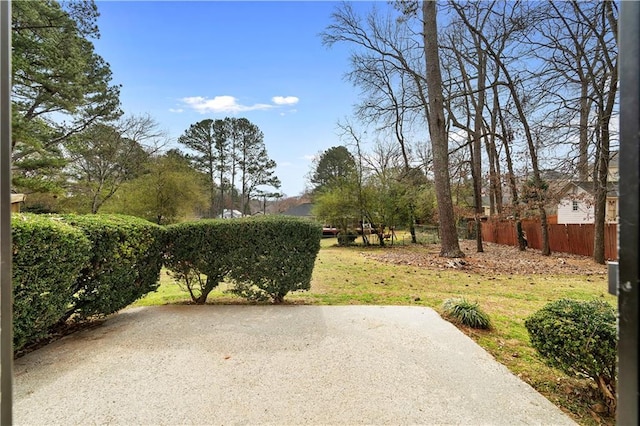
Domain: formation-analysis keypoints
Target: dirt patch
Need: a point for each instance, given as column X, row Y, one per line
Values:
column 496, row 259
column 56, row 333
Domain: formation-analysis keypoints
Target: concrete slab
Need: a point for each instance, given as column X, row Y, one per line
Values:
column 278, row 365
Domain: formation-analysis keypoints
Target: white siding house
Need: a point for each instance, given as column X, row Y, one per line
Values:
column 576, row 203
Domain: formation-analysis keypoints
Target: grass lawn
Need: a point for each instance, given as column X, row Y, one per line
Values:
column 345, row 276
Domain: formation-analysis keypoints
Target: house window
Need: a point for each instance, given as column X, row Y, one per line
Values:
column 574, row 205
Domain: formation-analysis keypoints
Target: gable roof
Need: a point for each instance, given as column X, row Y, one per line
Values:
column 588, row 187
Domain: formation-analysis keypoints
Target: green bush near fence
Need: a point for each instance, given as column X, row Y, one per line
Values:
column 124, row 264
column 47, row 258
column 264, row 257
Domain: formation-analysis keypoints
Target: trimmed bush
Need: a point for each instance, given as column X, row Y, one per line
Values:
column 264, row 257
column 579, row 338
column 466, row 313
column 200, row 254
column 125, row 263
column 275, row 255
column 47, row 258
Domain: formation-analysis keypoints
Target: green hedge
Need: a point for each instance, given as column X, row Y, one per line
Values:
column 47, row 258
column 200, row 255
column 275, row 255
column 125, row 263
column 264, row 257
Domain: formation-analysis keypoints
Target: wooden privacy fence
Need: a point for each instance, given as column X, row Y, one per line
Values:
column 574, row 238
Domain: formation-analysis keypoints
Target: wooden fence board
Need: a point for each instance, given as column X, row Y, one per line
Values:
column 573, row 238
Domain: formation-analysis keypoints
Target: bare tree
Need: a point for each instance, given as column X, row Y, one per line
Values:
column 403, row 51
column 438, row 132
column 578, row 42
column 388, row 105
column 518, row 18
column 104, row 156
column 467, row 92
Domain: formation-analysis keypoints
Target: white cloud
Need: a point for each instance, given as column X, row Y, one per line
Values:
column 221, row 104
column 285, row 100
column 178, row 110
column 309, row 157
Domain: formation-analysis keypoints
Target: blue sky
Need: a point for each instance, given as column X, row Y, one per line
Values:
column 182, row 62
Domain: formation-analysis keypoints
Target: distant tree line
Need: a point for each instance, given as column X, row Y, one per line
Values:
column 232, row 154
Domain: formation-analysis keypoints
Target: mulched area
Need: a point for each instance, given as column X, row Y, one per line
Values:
column 495, row 259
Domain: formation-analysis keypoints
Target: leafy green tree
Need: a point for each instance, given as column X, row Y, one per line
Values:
column 37, row 165
column 60, row 86
column 425, row 201
column 332, row 166
column 170, row 190
column 338, row 206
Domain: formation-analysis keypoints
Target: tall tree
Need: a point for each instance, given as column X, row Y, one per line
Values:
column 207, row 140
column 392, row 40
column 330, row 167
column 519, row 20
column 589, row 38
column 252, row 162
column 60, row 85
column 234, row 137
column 438, row 131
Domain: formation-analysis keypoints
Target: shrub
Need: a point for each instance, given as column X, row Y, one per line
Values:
column 47, row 258
column 579, row 338
column 275, row 255
column 347, row 238
column 200, row 254
column 264, row 257
column 125, row 263
column 466, row 313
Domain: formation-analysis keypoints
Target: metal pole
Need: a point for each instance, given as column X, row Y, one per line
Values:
column 6, row 301
column 628, row 237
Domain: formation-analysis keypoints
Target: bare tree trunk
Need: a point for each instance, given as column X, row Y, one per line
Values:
column 477, row 146
column 495, row 172
column 585, row 109
column 608, row 100
column 495, row 183
column 603, row 171
column 513, row 187
column 450, row 246
column 511, row 85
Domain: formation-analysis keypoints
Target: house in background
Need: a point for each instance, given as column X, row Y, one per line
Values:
column 576, row 203
column 230, row 214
